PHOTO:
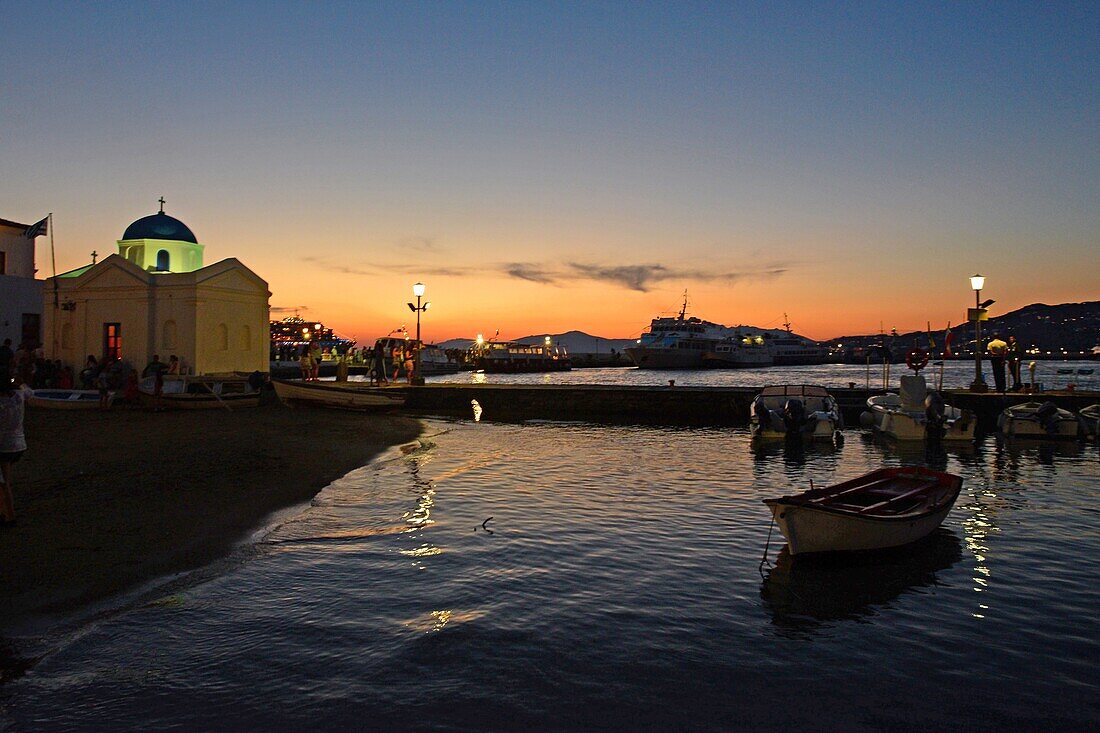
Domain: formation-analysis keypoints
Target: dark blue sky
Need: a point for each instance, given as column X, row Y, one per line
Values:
column 753, row 136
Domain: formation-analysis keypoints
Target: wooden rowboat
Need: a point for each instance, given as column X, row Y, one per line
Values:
column 339, row 395
column 198, row 393
column 884, row 508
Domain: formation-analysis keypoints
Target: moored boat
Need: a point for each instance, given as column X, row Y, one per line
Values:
column 1090, row 419
column 1045, row 421
column 67, row 399
column 791, row 410
column 916, row 414
column 507, row 357
column 738, row 352
column 339, row 395
column 889, row 507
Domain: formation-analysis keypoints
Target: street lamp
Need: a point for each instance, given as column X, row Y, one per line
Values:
column 978, row 385
column 418, row 291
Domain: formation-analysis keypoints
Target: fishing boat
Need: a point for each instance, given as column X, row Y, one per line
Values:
column 889, row 507
column 917, row 414
column 67, row 399
column 790, row 410
column 1043, row 420
column 433, row 359
column 181, row 392
column 1090, row 419
column 339, row 395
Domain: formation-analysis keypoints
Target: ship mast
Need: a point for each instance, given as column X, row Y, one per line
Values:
column 786, row 322
column 684, row 308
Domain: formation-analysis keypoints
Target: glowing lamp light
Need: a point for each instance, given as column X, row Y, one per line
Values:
column 480, row 340
column 547, row 340
column 977, row 282
column 418, row 290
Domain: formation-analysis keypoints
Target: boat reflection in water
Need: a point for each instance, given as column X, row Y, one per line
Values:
column 806, row 592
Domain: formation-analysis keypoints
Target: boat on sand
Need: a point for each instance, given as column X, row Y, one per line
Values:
column 339, row 395
column 67, row 399
column 885, row 508
column 181, row 392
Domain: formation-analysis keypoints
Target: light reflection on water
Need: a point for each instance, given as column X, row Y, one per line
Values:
column 619, row 585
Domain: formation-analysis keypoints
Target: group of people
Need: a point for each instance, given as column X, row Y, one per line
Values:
column 1004, row 354
column 311, row 356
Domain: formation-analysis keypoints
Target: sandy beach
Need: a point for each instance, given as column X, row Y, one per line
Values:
column 107, row 501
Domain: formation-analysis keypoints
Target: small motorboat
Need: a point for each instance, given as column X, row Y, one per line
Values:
column 67, row 399
column 917, row 414
column 1043, row 420
column 340, row 395
column 885, row 508
column 1090, row 420
column 792, row 410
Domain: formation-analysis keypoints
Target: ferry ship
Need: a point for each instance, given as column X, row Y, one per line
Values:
column 691, row 343
column 506, row 357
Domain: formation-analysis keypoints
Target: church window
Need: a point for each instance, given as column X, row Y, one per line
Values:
column 246, row 338
column 67, row 336
column 168, row 337
column 162, row 260
column 223, row 337
column 112, row 341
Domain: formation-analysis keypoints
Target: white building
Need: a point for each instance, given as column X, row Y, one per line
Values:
column 20, row 293
column 156, row 297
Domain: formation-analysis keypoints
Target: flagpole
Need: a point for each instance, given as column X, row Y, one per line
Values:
column 53, row 266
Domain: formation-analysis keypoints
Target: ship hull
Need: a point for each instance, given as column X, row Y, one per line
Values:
column 647, row 358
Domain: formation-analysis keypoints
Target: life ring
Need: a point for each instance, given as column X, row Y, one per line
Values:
column 917, row 359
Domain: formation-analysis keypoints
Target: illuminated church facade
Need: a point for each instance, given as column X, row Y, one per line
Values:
column 156, row 297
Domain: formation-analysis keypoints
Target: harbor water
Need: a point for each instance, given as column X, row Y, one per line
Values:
column 1050, row 375
column 557, row 576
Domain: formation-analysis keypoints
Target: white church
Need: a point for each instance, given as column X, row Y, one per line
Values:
column 156, row 297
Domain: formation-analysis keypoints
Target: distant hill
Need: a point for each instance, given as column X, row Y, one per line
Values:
column 1070, row 330
column 575, row 342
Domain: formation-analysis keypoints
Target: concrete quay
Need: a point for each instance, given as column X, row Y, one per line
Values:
column 673, row 405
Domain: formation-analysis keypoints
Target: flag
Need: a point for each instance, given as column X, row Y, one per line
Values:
column 931, row 341
column 948, row 337
column 37, row 230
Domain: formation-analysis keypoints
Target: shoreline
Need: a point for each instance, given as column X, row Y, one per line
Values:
column 109, row 501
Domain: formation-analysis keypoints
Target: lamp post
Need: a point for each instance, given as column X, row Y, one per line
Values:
column 418, row 291
column 978, row 385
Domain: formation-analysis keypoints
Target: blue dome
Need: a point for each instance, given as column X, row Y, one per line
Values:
column 159, row 226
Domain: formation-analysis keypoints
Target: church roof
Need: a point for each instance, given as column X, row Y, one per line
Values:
column 159, row 226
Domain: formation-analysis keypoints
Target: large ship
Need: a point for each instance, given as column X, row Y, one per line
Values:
column 507, row 357
column 683, row 342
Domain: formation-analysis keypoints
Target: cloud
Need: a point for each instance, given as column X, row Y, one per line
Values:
column 288, row 308
column 529, row 271
column 343, row 269
column 420, row 244
column 644, row 277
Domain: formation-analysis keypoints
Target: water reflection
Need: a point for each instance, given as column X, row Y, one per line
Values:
column 932, row 454
column 806, row 592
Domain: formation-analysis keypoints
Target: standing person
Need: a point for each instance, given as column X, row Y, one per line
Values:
column 173, row 364
column 13, row 443
column 102, row 383
column 315, row 359
column 1013, row 360
column 156, row 369
column 997, row 350
column 304, row 364
column 397, row 356
column 410, row 365
column 379, row 358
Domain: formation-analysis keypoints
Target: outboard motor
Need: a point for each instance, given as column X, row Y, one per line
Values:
column 1047, row 414
column 935, row 417
column 794, row 415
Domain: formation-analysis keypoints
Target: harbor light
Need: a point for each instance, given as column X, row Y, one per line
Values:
column 418, row 291
column 977, row 282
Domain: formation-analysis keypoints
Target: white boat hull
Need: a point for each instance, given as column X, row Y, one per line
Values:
column 811, row 529
column 825, row 429
column 342, row 396
column 67, row 399
column 1022, row 421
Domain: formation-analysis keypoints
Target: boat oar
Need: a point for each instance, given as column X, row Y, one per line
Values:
column 217, row 396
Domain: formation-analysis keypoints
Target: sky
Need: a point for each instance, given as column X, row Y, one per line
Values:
column 547, row 166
